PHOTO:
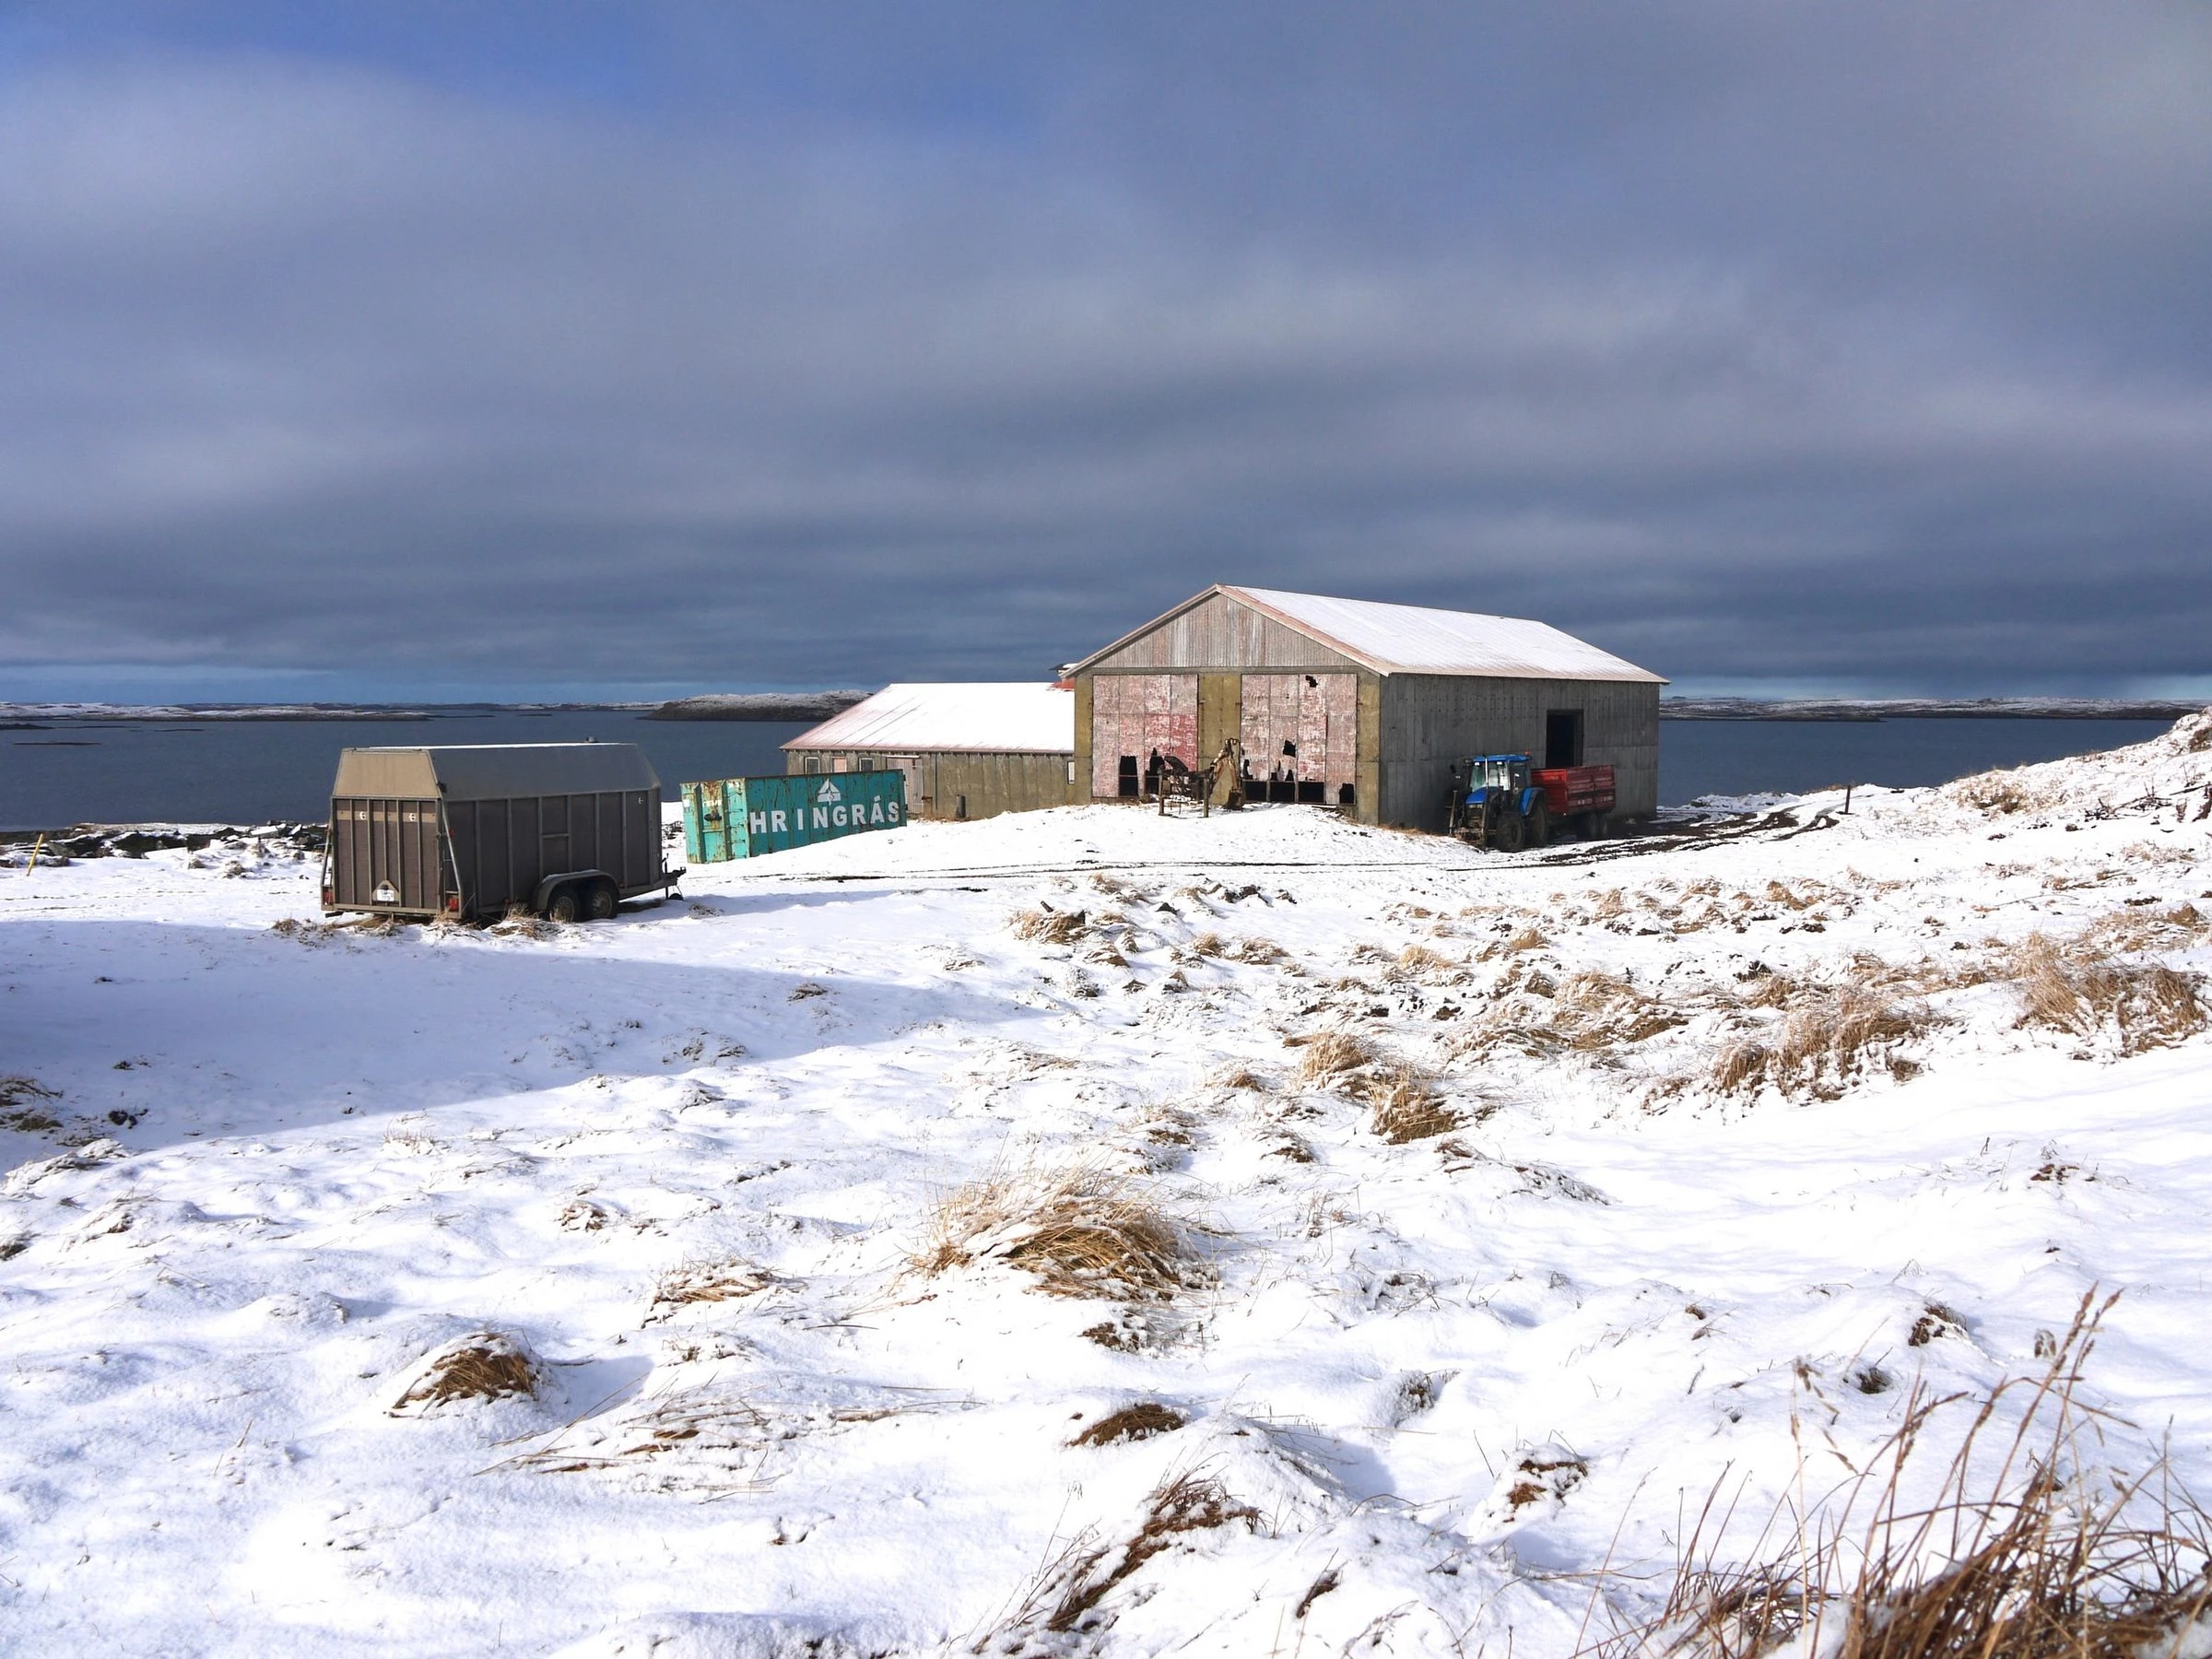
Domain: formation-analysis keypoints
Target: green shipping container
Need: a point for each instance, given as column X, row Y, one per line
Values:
column 741, row 817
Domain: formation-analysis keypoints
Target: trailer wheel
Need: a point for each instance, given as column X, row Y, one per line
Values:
column 1538, row 824
column 601, row 901
column 565, row 906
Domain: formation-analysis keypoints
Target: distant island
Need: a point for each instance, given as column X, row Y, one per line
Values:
column 758, row 705
column 26, row 716
column 1924, row 708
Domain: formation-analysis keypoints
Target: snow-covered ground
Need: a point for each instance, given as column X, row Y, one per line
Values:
column 1715, row 1143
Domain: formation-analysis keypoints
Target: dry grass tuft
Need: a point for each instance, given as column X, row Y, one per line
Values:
column 483, row 1365
column 1743, row 1068
column 1050, row 925
column 1210, row 945
column 1188, row 1504
column 1407, row 1108
column 1419, row 959
column 1239, row 1077
column 18, row 1110
column 710, row 1282
column 1528, row 938
column 1773, row 991
column 2133, row 930
column 2077, row 988
column 1994, row 792
column 1082, row 1230
column 1828, row 1037
column 2021, row 1553
column 1602, row 1010
column 1594, row 1014
column 1137, row 1422
column 1332, row 1053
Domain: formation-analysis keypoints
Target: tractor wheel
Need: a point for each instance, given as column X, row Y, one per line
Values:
column 1509, row 833
column 601, row 901
column 1539, row 824
column 565, row 906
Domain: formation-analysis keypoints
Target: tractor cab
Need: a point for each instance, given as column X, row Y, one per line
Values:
column 1493, row 799
column 1506, row 773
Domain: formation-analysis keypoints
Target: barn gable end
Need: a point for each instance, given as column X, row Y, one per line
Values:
column 1215, row 632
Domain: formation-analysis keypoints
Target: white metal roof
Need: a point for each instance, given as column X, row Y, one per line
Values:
column 1414, row 638
column 991, row 717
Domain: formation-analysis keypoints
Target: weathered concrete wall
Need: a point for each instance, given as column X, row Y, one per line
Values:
column 1430, row 721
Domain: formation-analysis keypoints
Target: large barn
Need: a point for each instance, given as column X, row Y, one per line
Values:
column 969, row 751
column 1358, row 705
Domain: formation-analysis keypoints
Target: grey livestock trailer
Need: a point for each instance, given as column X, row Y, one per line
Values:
column 562, row 830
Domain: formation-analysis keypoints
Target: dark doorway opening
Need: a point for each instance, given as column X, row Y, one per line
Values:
column 1563, row 737
column 1128, row 778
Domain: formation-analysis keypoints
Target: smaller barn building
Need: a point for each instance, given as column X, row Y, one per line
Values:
column 969, row 751
column 1358, row 705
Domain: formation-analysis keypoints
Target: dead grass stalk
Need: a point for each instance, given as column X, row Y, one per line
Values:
column 2021, row 1553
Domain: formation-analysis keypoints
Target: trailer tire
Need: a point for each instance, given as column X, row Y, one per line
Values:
column 565, row 905
column 601, row 901
column 1538, row 825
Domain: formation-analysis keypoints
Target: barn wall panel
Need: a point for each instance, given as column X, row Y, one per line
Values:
column 1136, row 716
column 1430, row 722
column 1301, row 736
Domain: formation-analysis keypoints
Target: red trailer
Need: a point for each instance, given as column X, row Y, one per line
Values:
column 1579, row 796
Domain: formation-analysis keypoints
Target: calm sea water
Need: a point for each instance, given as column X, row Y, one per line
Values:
column 259, row 770
column 256, row 772
column 1746, row 757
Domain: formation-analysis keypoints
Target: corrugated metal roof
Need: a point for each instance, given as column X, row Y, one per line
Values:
column 1413, row 638
column 494, row 771
column 989, row 717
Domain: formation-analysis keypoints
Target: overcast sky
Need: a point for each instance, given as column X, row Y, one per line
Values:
column 392, row 350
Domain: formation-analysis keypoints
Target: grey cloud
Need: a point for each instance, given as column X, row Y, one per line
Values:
column 1854, row 345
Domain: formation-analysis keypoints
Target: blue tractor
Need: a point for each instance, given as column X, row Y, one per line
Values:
column 1495, row 802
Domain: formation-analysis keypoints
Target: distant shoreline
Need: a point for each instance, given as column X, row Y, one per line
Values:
column 823, row 705
column 25, row 716
column 1875, row 710
column 759, row 705
column 810, row 706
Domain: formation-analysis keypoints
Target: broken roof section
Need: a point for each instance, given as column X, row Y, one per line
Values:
column 985, row 717
column 1412, row 639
